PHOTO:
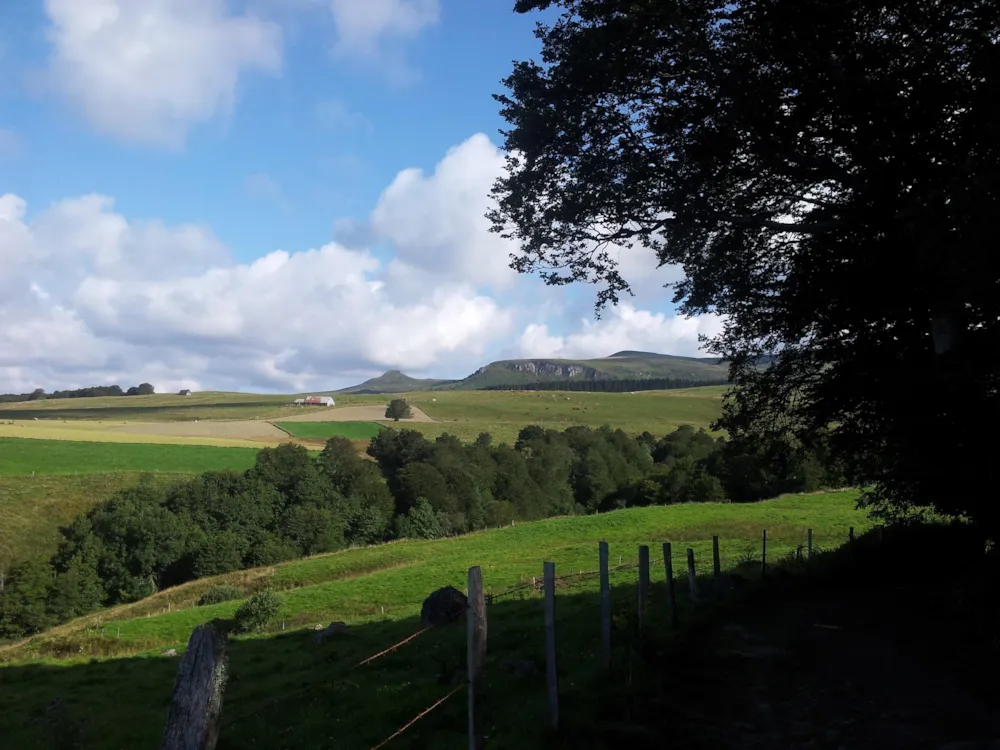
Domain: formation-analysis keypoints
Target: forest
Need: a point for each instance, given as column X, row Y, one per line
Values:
column 143, row 389
column 291, row 504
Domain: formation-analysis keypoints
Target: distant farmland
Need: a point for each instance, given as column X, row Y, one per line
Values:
column 327, row 430
column 25, row 456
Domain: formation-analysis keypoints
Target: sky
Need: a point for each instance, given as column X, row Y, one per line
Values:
column 274, row 196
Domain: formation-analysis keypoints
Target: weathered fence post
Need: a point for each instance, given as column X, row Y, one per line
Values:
column 196, row 704
column 692, row 578
column 552, row 679
column 643, row 581
column 605, row 607
column 475, row 644
column 809, row 543
column 763, row 555
column 668, row 564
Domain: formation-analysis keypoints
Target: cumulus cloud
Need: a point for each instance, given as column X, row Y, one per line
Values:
column 438, row 222
column 88, row 292
column 89, row 296
column 363, row 27
column 146, row 70
column 623, row 328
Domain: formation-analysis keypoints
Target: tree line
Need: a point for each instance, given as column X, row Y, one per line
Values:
column 143, row 389
column 607, row 385
column 291, row 504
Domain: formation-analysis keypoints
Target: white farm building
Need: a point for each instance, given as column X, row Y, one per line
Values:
column 314, row 401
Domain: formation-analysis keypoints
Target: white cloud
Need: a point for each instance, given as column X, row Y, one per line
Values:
column 88, row 296
column 93, row 295
column 622, row 328
column 146, row 70
column 438, row 222
column 364, row 25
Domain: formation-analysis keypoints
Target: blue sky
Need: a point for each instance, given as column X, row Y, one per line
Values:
column 271, row 195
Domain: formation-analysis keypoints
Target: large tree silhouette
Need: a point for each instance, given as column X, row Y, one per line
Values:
column 825, row 172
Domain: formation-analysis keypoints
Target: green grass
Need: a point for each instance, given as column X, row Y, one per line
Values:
column 327, row 430
column 21, row 456
column 162, row 407
column 33, row 508
column 286, row 691
column 503, row 413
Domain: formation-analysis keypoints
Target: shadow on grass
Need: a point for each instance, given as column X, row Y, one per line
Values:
column 287, row 691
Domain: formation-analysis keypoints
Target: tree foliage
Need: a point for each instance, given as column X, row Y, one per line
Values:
column 398, row 409
column 291, row 504
column 825, row 174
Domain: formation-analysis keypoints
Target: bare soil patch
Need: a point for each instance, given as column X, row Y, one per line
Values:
column 373, row 413
column 243, row 429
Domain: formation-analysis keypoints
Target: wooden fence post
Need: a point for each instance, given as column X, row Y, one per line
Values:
column 809, row 543
column 643, row 581
column 763, row 555
column 552, row 679
column 196, row 704
column 475, row 644
column 668, row 564
column 692, row 578
column 605, row 607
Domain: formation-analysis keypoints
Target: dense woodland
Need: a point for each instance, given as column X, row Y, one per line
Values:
column 607, row 385
column 143, row 389
column 292, row 504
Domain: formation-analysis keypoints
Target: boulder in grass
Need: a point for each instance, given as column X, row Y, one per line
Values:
column 332, row 629
column 443, row 606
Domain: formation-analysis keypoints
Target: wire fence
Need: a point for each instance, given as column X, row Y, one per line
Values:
column 541, row 585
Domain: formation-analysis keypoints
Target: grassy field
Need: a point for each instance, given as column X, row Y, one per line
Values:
column 504, row 413
column 286, row 691
column 33, row 508
column 20, row 457
column 327, row 430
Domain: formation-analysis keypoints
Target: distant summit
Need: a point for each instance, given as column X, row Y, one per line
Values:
column 624, row 370
column 395, row 381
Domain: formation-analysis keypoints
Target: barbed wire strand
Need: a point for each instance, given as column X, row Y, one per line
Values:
column 415, row 719
column 392, row 648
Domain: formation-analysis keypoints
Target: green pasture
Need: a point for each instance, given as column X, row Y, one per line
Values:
column 287, row 691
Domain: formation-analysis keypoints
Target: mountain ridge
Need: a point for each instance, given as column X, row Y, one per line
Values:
column 638, row 368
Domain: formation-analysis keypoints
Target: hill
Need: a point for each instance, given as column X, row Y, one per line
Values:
column 394, row 381
column 636, row 371
column 285, row 690
column 625, row 365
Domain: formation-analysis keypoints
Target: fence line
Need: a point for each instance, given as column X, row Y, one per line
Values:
column 547, row 584
column 392, row 648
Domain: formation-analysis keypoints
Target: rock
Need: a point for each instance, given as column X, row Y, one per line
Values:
column 332, row 629
column 444, row 605
column 170, row 652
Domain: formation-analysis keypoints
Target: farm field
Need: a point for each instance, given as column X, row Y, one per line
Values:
column 314, row 430
column 32, row 508
column 286, row 691
column 36, row 456
column 245, row 420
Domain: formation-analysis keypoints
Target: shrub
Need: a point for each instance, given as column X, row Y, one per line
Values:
column 257, row 612
column 217, row 594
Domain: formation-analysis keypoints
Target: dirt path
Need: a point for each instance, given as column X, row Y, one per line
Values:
column 374, row 413
column 818, row 674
